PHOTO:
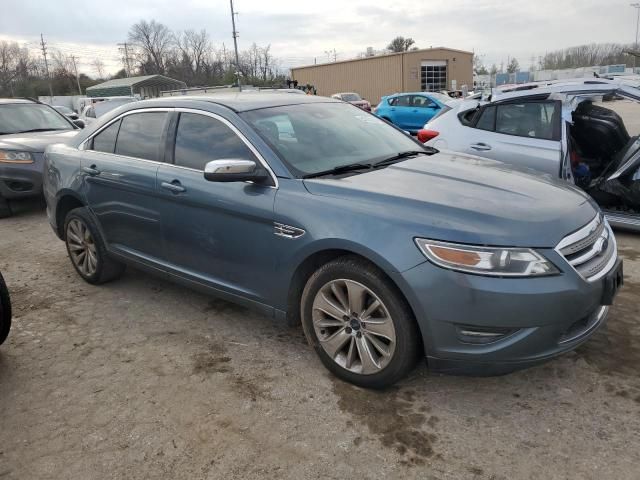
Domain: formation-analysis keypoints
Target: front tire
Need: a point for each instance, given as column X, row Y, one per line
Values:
column 359, row 324
column 87, row 250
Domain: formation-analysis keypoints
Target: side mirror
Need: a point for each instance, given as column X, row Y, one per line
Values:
column 434, row 106
column 79, row 123
column 233, row 170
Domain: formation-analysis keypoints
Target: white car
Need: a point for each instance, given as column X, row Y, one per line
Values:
column 584, row 132
column 97, row 109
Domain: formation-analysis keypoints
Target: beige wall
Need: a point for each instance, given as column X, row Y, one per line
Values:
column 375, row 77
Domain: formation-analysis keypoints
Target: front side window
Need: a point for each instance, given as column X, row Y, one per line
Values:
column 404, row 101
column 529, row 119
column 201, row 139
column 30, row 117
column 105, row 141
column 315, row 137
column 140, row 135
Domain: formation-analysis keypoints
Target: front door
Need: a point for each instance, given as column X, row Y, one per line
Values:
column 219, row 234
column 119, row 168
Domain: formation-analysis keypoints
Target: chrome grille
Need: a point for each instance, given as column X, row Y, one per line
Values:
column 592, row 250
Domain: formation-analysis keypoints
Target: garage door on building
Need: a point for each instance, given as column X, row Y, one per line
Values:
column 433, row 76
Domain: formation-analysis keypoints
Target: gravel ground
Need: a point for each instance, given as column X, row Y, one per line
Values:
column 145, row 379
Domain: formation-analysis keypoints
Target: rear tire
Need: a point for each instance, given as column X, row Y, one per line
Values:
column 5, row 311
column 87, row 250
column 359, row 324
column 5, row 208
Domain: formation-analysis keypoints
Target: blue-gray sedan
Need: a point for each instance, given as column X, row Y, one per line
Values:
column 316, row 212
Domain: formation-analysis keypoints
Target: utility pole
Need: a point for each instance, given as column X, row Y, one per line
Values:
column 637, row 7
column 235, row 44
column 46, row 66
column 75, row 68
column 127, row 67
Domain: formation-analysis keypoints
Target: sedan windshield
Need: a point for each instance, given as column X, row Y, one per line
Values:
column 317, row 137
column 351, row 97
column 30, row 117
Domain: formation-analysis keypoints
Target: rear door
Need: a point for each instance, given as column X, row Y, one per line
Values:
column 402, row 112
column 525, row 133
column 219, row 234
column 119, row 174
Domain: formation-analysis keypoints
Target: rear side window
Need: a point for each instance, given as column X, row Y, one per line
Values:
column 393, row 101
column 487, row 120
column 531, row 119
column 201, row 139
column 105, row 141
column 140, row 135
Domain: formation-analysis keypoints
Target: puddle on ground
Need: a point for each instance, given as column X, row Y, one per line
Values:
column 390, row 416
column 615, row 349
column 213, row 360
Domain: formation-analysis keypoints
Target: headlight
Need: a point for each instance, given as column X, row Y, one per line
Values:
column 494, row 261
column 11, row 156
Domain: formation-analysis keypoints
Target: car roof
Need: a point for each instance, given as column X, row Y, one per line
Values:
column 16, row 100
column 238, row 102
column 590, row 86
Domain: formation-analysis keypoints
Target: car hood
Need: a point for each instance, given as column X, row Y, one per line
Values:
column 465, row 199
column 35, row 141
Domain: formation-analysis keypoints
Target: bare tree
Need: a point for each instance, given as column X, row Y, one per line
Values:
column 587, row 56
column 9, row 60
column 98, row 68
column 400, row 44
column 153, row 41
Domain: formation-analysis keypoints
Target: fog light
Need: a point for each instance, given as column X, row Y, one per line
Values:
column 482, row 335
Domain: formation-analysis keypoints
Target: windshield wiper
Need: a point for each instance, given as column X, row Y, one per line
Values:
column 401, row 156
column 43, row 130
column 340, row 169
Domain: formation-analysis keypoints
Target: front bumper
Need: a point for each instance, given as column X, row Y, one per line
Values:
column 538, row 318
column 21, row 180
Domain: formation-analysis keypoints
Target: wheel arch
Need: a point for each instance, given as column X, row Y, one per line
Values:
column 66, row 201
column 320, row 256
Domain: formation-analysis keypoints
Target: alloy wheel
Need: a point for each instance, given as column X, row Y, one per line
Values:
column 353, row 326
column 82, row 247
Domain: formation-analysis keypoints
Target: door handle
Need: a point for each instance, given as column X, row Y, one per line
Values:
column 480, row 147
column 91, row 171
column 173, row 187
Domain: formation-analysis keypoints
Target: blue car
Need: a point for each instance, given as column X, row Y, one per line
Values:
column 313, row 212
column 410, row 111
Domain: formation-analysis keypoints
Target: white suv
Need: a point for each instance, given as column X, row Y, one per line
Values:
column 585, row 132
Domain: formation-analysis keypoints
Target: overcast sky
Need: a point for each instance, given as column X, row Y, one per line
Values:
column 300, row 30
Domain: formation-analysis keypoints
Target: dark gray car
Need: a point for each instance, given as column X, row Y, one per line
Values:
column 313, row 211
column 27, row 127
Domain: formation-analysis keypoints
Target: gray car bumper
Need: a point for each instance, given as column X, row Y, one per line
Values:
column 21, row 180
column 479, row 325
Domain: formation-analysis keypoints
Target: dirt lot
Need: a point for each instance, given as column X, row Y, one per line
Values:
column 144, row 379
